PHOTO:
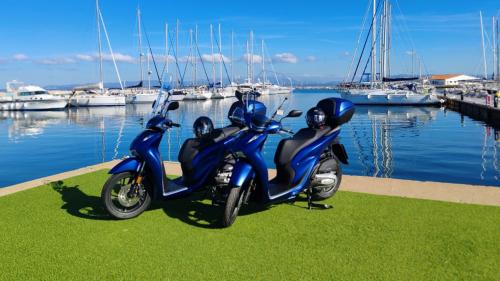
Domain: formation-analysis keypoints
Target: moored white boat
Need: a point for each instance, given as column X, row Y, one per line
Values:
column 94, row 99
column 144, row 96
column 389, row 97
column 198, row 94
column 31, row 98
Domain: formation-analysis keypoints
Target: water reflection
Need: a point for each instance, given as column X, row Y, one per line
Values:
column 373, row 129
column 30, row 123
column 424, row 143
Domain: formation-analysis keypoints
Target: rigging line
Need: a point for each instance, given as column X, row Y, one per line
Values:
column 354, row 54
column 185, row 67
column 222, row 59
column 366, row 41
column 368, row 60
column 202, row 63
column 110, row 49
column 403, row 19
column 152, row 57
column 272, row 65
column 175, row 56
column 166, row 60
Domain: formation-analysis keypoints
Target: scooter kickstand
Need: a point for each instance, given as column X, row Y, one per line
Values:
column 311, row 204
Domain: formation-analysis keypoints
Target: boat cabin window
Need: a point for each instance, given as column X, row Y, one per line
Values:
column 23, row 94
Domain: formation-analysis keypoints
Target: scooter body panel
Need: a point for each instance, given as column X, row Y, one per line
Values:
column 303, row 164
column 131, row 164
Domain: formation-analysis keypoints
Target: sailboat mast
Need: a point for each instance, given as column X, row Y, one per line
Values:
column 482, row 46
column 166, row 48
column 190, row 61
column 497, row 47
column 382, row 40
column 177, row 53
column 195, row 58
column 220, row 56
column 251, row 56
column 101, row 77
column 495, row 73
column 212, row 50
column 248, row 62
column 263, row 66
column 374, row 42
column 232, row 56
column 388, row 47
column 149, row 71
column 139, row 32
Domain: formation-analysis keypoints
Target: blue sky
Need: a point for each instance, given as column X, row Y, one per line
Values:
column 54, row 42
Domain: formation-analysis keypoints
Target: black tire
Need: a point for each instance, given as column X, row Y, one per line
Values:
column 329, row 191
column 234, row 202
column 116, row 204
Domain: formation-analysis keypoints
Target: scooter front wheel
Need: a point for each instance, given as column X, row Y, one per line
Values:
column 123, row 198
column 234, row 202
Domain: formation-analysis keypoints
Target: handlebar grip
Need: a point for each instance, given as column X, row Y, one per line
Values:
column 175, row 125
column 287, row 131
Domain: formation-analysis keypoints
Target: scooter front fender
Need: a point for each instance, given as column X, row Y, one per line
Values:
column 242, row 172
column 131, row 164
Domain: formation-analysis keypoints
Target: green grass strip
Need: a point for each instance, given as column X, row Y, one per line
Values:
column 61, row 232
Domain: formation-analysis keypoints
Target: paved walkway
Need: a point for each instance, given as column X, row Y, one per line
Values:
column 458, row 193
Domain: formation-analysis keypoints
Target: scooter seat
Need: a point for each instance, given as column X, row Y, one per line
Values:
column 222, row 133
column 191, row 147
column 289, row 148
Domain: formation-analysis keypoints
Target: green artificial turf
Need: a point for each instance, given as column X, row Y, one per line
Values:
column 61, row 232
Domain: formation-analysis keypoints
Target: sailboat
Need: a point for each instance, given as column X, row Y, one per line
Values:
column 140, row 94
column 382, row 89
column 97, row 95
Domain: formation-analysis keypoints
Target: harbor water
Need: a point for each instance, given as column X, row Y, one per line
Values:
column 418, row 143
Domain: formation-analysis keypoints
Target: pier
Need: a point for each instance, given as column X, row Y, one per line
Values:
column 475, row 108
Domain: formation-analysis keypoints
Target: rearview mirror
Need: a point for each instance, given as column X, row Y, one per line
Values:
column 294, row 113
column 173, row 106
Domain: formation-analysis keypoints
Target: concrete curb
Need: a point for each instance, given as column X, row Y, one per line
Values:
column 447, row 192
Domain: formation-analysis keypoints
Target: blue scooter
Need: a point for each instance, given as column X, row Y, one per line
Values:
column 308, row 161
column 136, row 180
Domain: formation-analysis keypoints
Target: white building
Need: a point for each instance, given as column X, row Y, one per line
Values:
column 450, row 79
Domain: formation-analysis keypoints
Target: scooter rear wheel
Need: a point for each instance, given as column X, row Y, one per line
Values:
column 328, row 191
column 117, row 198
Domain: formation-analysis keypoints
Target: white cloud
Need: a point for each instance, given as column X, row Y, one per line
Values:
column 20, row 57
column 256, row 58
column 119, row 57
column 84, row 57
column 56, row 61
column 410, row 53
column 286, row 58
column 311, row 58
column 214, row 58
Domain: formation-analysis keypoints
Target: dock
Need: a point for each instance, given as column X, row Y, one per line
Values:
column 438, row 191
column 475, row 108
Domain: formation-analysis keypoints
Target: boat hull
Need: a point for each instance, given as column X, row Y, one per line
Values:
column 39, row 105
column 97, row 100
column 141, row 98
column 396, row 99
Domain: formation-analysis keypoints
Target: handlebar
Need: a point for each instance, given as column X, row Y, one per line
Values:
column 286, row 131
column 175, row 125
